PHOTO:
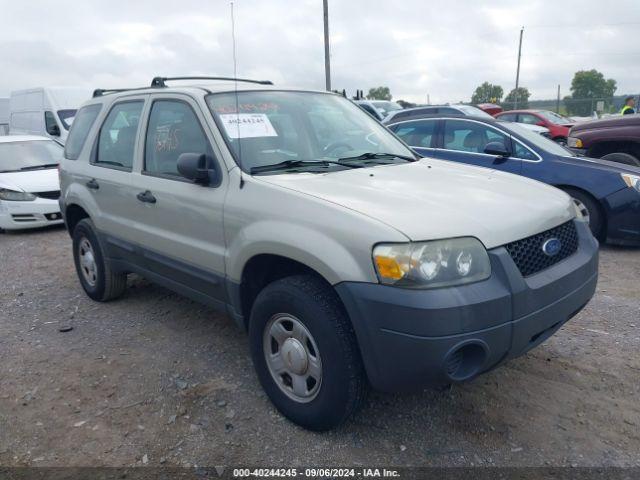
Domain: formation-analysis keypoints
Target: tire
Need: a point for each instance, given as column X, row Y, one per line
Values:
column 622, row 157
column 329, row 341
column 588, row 203
column 98, row 280
column 561, row 141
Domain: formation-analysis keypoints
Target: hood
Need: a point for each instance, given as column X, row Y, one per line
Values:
column 620, row 121
column 31, row 181
column 434, row 199
column 602, row 165
column 534, row 128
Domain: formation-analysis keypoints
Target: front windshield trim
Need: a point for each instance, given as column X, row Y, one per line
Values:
column 246, row 168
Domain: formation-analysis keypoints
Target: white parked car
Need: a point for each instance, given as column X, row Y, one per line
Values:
column 29, row 185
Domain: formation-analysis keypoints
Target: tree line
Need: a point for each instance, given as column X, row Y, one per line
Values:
column 585, row 85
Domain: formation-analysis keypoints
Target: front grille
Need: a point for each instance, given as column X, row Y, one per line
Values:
column 53, row 195
column 529, row 256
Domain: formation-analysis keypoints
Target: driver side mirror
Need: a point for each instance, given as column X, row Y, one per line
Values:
column 498, row 149
column 53, row 130
column 196, row 167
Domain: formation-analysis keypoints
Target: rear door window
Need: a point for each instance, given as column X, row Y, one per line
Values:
column 529, row 119
column 508, row 117
column 116, row 144
column 417, row 134
column 85, row 119
column 472, row 137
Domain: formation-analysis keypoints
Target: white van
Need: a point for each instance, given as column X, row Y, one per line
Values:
column 4, row 116
column 45, row 111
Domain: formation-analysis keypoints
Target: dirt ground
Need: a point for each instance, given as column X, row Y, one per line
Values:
column 155, row 379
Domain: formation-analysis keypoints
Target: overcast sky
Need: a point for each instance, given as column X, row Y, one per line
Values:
column 443, row 49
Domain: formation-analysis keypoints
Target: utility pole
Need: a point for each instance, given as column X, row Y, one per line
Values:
column 515, row 105
column 327, row 65
column 558, row 101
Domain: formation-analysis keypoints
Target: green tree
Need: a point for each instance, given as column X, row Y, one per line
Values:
column 523, row 97
column 487, row 93
column 379, row 93
column 586, row 87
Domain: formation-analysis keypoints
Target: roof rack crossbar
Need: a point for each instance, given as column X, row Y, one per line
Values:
column 161, row 81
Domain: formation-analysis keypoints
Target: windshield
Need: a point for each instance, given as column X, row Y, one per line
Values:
column 473, row 111
column 66, row 117
column 386, row 106
column 538, row 140
column 16, row 156
column 270, row 127
column 553, row 117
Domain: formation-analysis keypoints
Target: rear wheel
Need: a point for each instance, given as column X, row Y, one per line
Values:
column 305, row 352
column 622, row 157
column 590, row 211
column 94, row 271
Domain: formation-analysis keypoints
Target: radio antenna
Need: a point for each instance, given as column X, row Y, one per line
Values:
column 235, row 76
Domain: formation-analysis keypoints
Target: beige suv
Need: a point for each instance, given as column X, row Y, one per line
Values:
column 350, row 261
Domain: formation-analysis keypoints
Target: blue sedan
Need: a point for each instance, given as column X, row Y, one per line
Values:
column 607, row 193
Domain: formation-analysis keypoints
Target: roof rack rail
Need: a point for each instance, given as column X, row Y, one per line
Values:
column 98, row 92
column 161, row 81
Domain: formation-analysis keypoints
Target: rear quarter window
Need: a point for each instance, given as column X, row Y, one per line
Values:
column 85, row 118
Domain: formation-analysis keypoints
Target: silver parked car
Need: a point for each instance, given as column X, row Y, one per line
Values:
column 350, row 261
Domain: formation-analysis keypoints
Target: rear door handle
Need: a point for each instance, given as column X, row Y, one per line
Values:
column 146, row 197
column 92, row 184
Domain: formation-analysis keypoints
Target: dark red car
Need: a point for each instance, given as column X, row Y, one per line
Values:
column 557, row 124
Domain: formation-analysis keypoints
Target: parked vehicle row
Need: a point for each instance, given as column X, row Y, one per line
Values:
column 607, row 193
column 323, row 235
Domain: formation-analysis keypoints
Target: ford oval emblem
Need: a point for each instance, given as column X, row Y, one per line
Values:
column 551, row 247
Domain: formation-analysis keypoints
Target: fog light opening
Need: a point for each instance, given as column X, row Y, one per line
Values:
column 465, row 361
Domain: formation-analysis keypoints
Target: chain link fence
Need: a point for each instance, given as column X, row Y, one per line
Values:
column 583, row 107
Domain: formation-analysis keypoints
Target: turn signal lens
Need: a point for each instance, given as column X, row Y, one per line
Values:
column 574, row 142
column 388, row 267
column 632, row 181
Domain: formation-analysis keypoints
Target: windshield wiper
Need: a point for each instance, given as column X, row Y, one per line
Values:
column 373, row 156
column 287, row 164
column 39, row 167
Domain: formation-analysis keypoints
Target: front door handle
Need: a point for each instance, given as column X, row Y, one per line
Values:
column 92, row 184
column 146, row 197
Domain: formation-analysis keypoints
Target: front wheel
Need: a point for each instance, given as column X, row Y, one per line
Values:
column 96, row 276
column 305, row 352
column 590, row 211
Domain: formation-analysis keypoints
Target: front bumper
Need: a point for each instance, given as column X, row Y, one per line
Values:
column 623, row 217
column 410, row 339
column 22, row 215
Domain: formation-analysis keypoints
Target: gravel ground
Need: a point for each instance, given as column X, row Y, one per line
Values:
column 156, row 379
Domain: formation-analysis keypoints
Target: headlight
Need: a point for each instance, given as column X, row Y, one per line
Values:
column 574, row 142
column 438, row 263
column 632, row 181
column 13, row 196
